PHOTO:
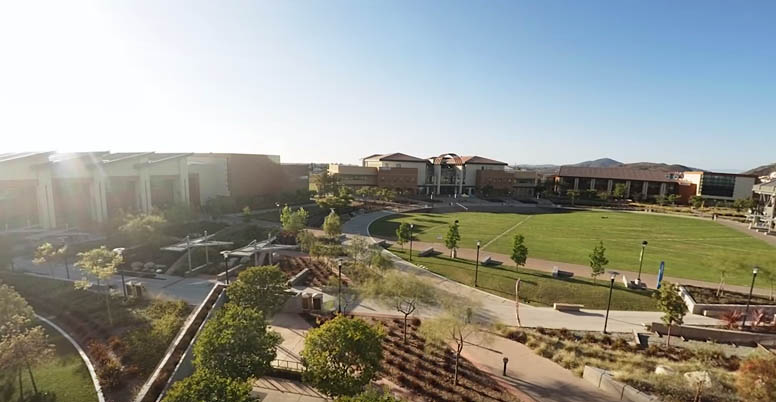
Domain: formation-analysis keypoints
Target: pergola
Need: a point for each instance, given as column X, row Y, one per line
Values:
column 188, row 243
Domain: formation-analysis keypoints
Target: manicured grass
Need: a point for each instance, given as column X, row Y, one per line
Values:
column 536, row 287
column 65, row 376
column 691, row 248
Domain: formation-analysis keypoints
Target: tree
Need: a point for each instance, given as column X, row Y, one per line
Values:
column 260, row 288
column 326, row 184
column 452, row 238
column 573, row 194
column 722, row 273
column 403, row 234
column 619, row 191
column 598, row 260
column 370, row 395
column 379, row 261
column 47, row 254
column 661, row 200
column 454, row 326
column 342, row 356
column 236, row 343
column 671, row 304
column 332, row 225
column 358, row 249
column 743, row 203
column 206, row 386
column 519, row 251
column 403, row 292
column 697, row 201
column 103, row 264
column 756, row 380
column 306, row 240
column 293, row 221
column 672, row 199
column 603, row 196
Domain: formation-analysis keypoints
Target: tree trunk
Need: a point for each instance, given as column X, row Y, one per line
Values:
column 21, row 387
column 405, row 328
column 668, row 337
column 455, row 377
column 107, row 303
column 32, row 379
column 517, row 302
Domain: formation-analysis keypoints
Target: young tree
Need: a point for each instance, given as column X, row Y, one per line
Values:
column 144, row 228
column 756, row 379
column 697, row 201
column 452, row 238
column 519, row 251
column 206, row 386
column 661, row 200
column 403, row 234
column 103, row 264
column 236, row 343
column 332, row 225
column 454, row 326
column 47, row 254
column 722, row 273
column 306, row 240
column 619, row 191
column 671, row 304
column 342, row 356
column 358, row 249
column 379, row 261
column 260, row 288
column 598, row 260
column 672, row 199
column 293, row 221
column 404, row 292
column 573, row 194
column 326, row 184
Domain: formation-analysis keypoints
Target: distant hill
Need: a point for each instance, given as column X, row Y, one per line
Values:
column 599, row 163
column 762, row 170
column 662, row 167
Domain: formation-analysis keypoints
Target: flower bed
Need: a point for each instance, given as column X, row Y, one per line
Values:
column 319, row 275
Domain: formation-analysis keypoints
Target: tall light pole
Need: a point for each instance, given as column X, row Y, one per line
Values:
column 226, row 267
column 477, row 264
column 339, row 288
column 412, row 226
column 64, row 256
column 641, row 260
column 609, row 304
column 749, row 299
column 188, row 250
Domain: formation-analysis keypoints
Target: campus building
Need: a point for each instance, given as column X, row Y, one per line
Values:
column 647, row 184
column 764, row 216
column 49, row 190
column 444, row 174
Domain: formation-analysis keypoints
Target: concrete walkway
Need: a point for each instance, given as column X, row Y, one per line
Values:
column 540, row 378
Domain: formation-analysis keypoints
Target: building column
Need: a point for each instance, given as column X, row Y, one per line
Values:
column 438, row 176
column 576, row 183
column 592, row 184
column 662, row 189
column 45, row 196
column 644, row 188
column 627, row 188
column 460, row 184
column 609, row 186
column 143, row 190
column 99, row 200
column 183, row 181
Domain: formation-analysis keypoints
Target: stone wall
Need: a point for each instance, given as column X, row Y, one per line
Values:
column 604, row 381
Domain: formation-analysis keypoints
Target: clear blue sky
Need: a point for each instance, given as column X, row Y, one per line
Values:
column 691, row 82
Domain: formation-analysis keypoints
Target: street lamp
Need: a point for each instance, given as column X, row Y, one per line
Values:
column 477, row 264
column 226, row 267
column 641, row 260
column 412, row 226
column 339, row 288
column 755, row 270
column 609, row 304
column 119, row 251
column 64, row 256
column 188, row 250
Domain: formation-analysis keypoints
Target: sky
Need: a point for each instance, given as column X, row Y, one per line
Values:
column 690, row 82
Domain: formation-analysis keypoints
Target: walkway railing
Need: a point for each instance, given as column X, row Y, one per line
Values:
column 288, row 365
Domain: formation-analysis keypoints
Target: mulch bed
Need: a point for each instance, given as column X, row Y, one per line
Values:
column 709, row 296
column 319, row 270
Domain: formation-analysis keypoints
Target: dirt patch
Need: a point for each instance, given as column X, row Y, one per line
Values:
column 709, row 296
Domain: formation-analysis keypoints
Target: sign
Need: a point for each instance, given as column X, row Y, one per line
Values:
column 660, row 273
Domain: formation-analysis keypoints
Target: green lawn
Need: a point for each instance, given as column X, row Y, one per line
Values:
column 691, row 248
column 65, row 377
column 536, row 287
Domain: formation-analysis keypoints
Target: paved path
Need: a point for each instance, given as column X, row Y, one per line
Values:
column 498, row 309
column 540, row 378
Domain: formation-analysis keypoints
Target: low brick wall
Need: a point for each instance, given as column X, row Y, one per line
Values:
column 604, row 381
column 714, row 334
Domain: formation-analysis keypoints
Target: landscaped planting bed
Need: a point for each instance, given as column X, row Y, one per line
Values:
column 636, row 366
column 709, row 296
column 428, row 373
column 319, row 274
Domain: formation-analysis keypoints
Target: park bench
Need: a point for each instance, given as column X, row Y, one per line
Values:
column 427, row 252
column 556, row 273
column 567, row 306
column 633, row 284
column 489, row 261
column 383, row 244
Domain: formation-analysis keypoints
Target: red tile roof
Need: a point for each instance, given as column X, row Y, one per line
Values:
column 395, row 157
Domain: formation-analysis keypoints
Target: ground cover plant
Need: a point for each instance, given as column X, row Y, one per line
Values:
column 319, row 274
column 64, row 378
column 428, row 373
column 536, row 287
column 636, row 366
column 692, row 248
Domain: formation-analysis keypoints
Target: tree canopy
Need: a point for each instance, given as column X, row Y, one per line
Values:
column 236, row 343
column 452, row 237
column 598, row 260
column 206, row 386
column 670, row 303
column 332, row 225
column 342, row 356
column 261, row 288
column 403, row 233
column 293, row 221
column 144, row 228
column 519, row 251
column 370, row 395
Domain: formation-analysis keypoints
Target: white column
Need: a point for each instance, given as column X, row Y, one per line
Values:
column 644, row 188
column 463, row 175
column 592, row 184
column 143, row 189
column 576, row 183
column 609, row 186
column 438, row 175
column 45, row 198
column 183, row 181
column 662, row 189
column 99, row 200
column 627, row 188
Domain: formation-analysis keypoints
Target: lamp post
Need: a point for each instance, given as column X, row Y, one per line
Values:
column 207, row 255
column 641, row 260
column 755, row 270
column 119, row 251
column 412, row 226
column 188, row 250
column 226, row 267
column 477, row 264
column 609, row 304
column 64, row 256
column 255, row 253
column 339, row 288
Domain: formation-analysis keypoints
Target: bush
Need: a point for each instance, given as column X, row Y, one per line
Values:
column 109, row 374
column 205, row 386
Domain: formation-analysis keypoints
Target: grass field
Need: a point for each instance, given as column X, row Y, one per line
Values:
column 65, row 376
column 691, row 248
column 536, row 287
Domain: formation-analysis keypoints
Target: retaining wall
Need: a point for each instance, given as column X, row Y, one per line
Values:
column 717, row 310
column 714, row 334
column 604, row 381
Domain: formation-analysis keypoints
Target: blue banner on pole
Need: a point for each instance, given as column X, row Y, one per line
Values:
column 660, row 273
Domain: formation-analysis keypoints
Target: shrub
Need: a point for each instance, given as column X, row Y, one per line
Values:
column 757, row 379
column 109, row 374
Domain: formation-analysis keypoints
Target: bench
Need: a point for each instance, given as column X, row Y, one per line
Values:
column 632, row 284
column 426, row 252
column 567, row 306
column 556, row 273
column 489, row 261
column 383, row 244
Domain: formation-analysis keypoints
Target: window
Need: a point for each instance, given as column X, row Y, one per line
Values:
column 717, row 185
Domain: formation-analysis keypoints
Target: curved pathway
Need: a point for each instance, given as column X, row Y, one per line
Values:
column 82, row 353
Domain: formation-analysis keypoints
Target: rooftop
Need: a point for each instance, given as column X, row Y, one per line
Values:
column 395, row 157
column 616, row 173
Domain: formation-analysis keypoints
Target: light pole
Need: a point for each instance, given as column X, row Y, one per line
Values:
column 188, row 250
column 339, row 288
column 412, row 226
column 609, row 304
column 641, row 260
column 119, row 251
column 64, row 256
column 749, row 299
column 477, row 264
column 226, row 267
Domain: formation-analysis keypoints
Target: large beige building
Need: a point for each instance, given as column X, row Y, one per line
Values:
column 445, row 174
